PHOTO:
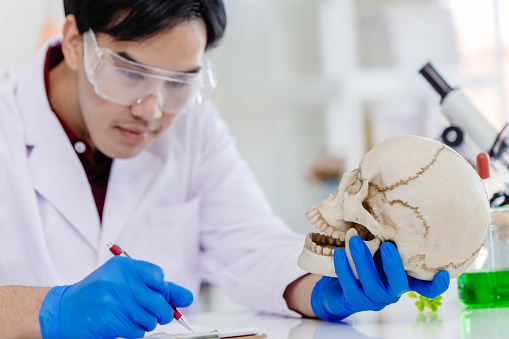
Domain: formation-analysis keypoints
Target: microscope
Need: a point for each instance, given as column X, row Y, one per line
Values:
column 470, row 131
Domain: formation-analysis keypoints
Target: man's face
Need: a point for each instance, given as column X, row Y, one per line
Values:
column 124, row 131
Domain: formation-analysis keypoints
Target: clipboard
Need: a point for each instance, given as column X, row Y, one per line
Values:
column 161, row 335
column 210, row 335
column 249, row 336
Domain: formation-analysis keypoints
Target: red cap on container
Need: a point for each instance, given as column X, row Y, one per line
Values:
column 483, row 165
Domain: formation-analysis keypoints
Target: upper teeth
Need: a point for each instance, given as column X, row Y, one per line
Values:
column 313, row 215
column 316, row 219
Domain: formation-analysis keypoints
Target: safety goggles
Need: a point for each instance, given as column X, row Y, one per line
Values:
column 126, row 82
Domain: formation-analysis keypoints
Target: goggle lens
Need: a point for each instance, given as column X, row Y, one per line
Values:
column 127, row 83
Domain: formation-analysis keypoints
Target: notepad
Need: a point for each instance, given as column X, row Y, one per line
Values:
column 177, row 331
column 211, row 335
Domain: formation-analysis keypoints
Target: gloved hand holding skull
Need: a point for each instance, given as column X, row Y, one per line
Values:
column 382, row 281
column 415, row 205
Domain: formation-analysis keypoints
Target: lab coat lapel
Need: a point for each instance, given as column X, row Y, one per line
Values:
column 129, row 184
column 59, row 177
column 56, row 171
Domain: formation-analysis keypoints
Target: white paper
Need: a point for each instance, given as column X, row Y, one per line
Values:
column 176, row 328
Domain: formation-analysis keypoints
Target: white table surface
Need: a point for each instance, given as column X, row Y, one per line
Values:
column 400, row 320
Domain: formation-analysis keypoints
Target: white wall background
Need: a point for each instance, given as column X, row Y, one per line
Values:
column 261, row 67
column 21, row 23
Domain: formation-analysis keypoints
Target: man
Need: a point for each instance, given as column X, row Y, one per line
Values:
column 107, row 136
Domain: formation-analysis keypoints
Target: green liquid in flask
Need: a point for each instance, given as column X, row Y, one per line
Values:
column 484, row 289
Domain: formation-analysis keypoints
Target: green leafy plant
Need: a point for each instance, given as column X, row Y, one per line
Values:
column 424, row 302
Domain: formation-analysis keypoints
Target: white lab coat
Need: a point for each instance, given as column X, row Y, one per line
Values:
column 187, row 203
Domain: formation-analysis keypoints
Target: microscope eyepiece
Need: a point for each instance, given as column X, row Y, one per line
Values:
column 435, row 80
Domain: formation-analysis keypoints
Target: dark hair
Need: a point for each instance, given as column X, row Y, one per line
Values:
column 131, row 20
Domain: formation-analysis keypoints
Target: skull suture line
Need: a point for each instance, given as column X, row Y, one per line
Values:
column 413, row 191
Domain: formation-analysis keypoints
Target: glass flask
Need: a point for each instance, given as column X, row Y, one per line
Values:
column 485, row 284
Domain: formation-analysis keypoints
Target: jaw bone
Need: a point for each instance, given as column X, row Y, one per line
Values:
column 318, row 253
column 317, row 256
column 373, row 246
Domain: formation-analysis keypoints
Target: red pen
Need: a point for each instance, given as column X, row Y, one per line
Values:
column 116, row 250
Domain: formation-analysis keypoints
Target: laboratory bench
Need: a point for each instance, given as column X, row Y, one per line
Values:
column 400, row 320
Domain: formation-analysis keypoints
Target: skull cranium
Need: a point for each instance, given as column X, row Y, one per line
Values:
column 413, row 191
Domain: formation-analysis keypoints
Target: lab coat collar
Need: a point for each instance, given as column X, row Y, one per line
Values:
column 58, row 174
column 56, row 170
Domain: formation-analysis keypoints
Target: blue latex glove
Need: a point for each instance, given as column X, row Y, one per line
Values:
column 382, row 281
column 122, row 298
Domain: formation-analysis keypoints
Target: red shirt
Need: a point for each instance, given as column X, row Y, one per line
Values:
column 96, row 165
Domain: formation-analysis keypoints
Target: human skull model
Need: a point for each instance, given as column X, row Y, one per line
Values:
column 413, row 191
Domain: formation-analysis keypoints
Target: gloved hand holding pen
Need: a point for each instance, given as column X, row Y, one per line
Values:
column 382, row 281
column 122, row 298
